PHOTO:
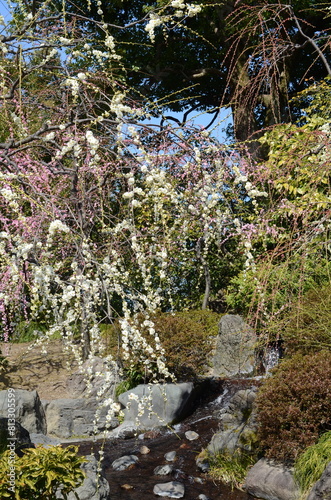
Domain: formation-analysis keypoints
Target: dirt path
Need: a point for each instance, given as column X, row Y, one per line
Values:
column 31, row 369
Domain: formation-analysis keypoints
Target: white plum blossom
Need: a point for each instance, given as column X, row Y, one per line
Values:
column 50, row 136
column 8, row 193
column 73, row 84
column 82, row 76
column 128, row 195
column 57, row 225
column 110, row 42
column 153, row 23
column 64, row 41
column 178, row 4
column 193, row 10
column 69, row 146
column 92, row 141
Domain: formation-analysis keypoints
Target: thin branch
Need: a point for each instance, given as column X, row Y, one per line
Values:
column 310, row 40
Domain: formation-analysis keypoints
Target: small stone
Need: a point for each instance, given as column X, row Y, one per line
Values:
column 185, row 446
column 170, row 456
column 144, row 450
column 173, row 489
column 191, row 435
column 203, row 497
column 202, row 464
column 124, row 462
column 151, row 434
column 127, row 486
column 163, row 470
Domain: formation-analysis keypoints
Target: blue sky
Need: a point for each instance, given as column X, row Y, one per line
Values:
column 203, row 119
column 4, row 10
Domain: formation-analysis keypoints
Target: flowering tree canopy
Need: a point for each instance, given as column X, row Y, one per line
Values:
column 103, row 216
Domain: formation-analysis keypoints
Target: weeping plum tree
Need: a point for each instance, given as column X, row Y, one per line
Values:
column 101, row 215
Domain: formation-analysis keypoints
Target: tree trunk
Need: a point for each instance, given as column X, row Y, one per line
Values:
column 206, row 274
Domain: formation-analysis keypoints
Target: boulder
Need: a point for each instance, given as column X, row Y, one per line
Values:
column 13, row 436
column 238, row 425
column 152, row 405
column 95, row 375
column 94, row 487
column 45, row 441
column 271, row 481
column 234, row 353
column 67, row 418
column 322, row 488
column 29, row 410
column 126, row 430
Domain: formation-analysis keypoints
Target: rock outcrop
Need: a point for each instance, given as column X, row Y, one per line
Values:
column 29, row 410
column 238, row 425
column 234, row 353
column 21, row 436
column 67, row 418
column 155, row 405
column 94, row 487
column 101, row 378
column 271, row 481
column 322, row 488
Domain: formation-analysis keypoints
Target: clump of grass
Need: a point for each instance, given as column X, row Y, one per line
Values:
column 231, row 469
column 310, row 465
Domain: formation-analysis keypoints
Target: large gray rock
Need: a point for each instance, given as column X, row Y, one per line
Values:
column 93, row 377
column 271, row 481
column 29, row 410
column 94, row 487
column 153, row 405
column 45, row 441
column 67, row 418
column 13, row 436
column 238, row 425
column 322, row 488
column 234, row 354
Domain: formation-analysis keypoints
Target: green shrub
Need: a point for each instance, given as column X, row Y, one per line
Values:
column 310, row 465
column 40, row 472
column 275, row 289
column 133, row 377
column 308, row 326
column 28, row 331
column 185, row 337
column 294, row 405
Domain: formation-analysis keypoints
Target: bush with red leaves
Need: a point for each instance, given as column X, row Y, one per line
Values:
column 294, row 405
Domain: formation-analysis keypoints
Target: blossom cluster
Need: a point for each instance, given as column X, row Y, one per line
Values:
column 178, row 9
